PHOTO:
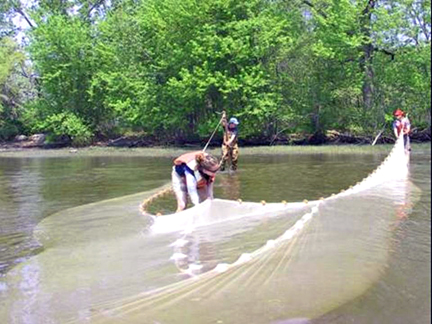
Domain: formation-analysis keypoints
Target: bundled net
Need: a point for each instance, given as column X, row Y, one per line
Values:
column 219, row 262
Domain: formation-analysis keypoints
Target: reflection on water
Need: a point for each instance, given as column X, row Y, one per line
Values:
column 403, row 295
column 229, row 185
column 32, row 189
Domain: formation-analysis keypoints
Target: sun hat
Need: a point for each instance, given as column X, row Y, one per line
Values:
column 208, row 162
column 234, row 121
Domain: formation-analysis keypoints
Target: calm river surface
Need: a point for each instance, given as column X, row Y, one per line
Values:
column 36, row 186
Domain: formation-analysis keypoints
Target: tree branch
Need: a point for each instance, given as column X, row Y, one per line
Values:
column 311, row 5
column 22, row 13
column 96, row 4
column 392, row 55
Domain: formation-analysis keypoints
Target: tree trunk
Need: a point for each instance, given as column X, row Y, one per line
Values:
column 367, row 57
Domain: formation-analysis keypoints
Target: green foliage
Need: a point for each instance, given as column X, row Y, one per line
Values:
column 62, row 52
column 40, row 119
column 67, row 124
column 15, row 87
column 6, row 26
column 168, row 67
column 173, row 64
column 8, row 130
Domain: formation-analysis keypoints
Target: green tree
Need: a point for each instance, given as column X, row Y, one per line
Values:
column 166, row 67
column 171, row 65
column 16, row 87
column 61, row 49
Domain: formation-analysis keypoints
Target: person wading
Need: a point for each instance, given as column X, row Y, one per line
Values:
column 402, row 125
column 193, row 174
column 230, row 150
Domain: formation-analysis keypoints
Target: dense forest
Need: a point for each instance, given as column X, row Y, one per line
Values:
column 164, row 69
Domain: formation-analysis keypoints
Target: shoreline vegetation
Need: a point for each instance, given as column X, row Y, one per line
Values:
column 143, row 146
column 160, row 72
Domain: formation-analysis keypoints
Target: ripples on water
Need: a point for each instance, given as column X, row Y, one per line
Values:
column 32, row 189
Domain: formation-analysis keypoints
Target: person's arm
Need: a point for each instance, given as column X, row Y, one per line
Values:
column 231, row 140
column 395, row 129
column 407, row 127
column 191, row 184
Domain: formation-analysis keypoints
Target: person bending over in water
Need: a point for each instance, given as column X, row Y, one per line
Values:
column 402, row 124
column 194, row 173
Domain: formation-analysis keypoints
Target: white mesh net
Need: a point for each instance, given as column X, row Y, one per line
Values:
column 220, row 262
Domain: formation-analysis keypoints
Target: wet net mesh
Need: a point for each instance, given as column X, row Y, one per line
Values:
column 219, row 262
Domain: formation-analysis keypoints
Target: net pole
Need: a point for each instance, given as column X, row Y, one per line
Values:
column 214, row 132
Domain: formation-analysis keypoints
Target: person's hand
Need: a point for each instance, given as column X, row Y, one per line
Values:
column 224, row 118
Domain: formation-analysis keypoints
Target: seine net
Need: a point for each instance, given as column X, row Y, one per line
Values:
column 219, row 262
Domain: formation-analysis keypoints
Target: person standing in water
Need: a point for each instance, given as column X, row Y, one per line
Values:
column 193, row 174
column 401, row 124
column 230, row 150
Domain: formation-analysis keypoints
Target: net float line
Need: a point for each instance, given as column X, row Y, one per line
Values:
column 144, row 206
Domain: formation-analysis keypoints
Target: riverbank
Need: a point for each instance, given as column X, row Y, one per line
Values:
column 172, row 152
column 330, row 138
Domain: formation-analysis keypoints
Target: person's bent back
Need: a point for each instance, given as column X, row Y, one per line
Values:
column 193, row 174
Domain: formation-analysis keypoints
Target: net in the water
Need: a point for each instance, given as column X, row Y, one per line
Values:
column 219, row 262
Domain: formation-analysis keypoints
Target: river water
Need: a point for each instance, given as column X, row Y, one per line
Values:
column 38, row 192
